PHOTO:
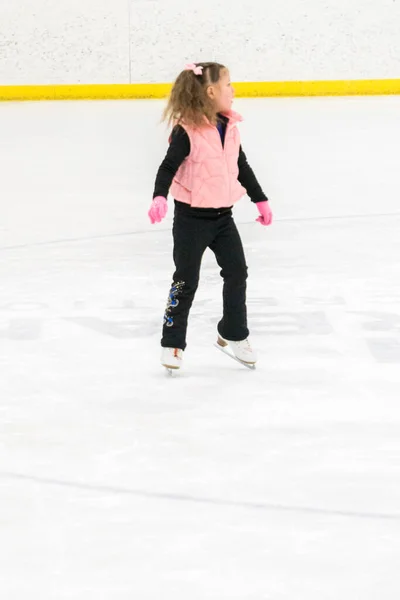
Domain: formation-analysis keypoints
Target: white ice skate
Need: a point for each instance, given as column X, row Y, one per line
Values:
column 171, row 359
column 241, row 351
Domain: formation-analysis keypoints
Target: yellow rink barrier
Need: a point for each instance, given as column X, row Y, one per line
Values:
column 261, row 89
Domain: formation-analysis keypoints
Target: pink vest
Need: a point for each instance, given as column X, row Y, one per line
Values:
column 208, row 177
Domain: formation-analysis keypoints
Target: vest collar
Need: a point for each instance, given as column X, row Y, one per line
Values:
column 232, row 116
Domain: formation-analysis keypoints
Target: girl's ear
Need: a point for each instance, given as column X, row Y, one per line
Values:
column 211, row 92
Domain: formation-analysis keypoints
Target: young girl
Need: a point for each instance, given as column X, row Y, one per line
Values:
column 208, row 172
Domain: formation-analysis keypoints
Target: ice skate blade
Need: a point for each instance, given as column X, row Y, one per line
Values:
column 171, row 371
column 223, row 349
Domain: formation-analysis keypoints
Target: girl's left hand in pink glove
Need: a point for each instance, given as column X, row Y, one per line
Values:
column 265, row 217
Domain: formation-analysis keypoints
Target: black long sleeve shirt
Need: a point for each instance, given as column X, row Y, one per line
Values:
column 179, row 149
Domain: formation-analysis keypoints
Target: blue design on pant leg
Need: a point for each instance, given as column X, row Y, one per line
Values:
column 172, row 302
column 168, row 321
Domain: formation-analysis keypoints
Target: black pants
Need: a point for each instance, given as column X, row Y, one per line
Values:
column 194, row 230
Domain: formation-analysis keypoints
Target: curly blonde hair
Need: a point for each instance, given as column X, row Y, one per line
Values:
column 189, row 101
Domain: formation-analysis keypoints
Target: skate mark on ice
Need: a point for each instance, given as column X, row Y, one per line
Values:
column 86, row 238
column 166, row 230
column 262, row 506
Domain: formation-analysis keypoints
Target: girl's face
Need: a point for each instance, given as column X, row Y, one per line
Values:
column 222, row 93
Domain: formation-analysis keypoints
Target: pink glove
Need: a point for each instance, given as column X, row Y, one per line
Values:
column 265, row 212
column 158, row 209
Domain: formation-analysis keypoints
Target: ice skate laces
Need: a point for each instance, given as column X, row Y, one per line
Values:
column 245, row 345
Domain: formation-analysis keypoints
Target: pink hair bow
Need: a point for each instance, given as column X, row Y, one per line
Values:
column 193, row 67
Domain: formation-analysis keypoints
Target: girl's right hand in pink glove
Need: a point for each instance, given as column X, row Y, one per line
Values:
column 158, row 209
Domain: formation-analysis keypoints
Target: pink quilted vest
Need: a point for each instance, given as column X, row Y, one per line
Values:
column 208, row 177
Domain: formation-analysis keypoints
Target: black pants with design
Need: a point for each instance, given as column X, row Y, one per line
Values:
column 194, row 230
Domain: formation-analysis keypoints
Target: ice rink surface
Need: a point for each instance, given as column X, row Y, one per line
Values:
column 119, row 483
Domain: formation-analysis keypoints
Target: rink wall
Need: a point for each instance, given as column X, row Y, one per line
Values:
column 134, row 48
column 242, row 90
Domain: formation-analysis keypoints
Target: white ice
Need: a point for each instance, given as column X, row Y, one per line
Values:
column 119, row 483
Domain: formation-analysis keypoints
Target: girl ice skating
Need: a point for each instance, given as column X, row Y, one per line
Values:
column 207, row 172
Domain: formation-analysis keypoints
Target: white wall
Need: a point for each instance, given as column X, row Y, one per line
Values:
column 82, row 169
column 118, row 41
